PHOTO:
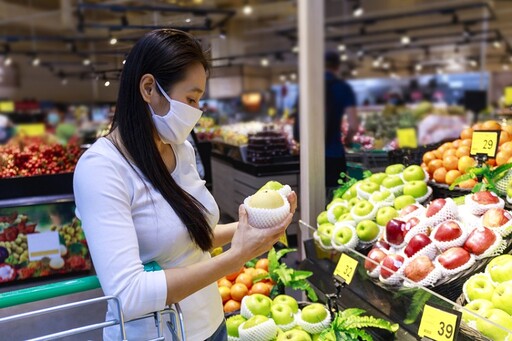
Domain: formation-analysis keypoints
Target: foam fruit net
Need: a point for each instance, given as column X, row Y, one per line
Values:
column 263, row 218
column 314, row 328
column 264, row 331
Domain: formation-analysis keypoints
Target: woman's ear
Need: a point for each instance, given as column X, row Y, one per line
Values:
column 147, row 87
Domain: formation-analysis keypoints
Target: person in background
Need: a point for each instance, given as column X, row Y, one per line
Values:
column 6, row 129
column 60, row 125
column 140, row 198
column 339, row 100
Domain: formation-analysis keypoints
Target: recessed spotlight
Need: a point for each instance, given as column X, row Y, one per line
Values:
column 341, row 47
column 64, row 81
column 36, row 61
column 86, row 61
column 107, row 83
column 247, row 10
column 113, row 41
column 505, row 67
column 343, row 57
column 293, row 76
column 124, row 61
column 357, row 10
column 418, row 67
column 354, row 72
column 376, row 63
column 264, row 62
column 473, row 63
column 497, row 44
column 7, row 61
column 282, row 78
column 188, row 20
column 405, row 40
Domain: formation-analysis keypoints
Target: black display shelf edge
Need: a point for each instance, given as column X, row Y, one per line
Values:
column 35, row 186
column 289, row 167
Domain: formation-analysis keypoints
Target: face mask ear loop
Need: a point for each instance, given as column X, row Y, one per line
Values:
column 163, row 92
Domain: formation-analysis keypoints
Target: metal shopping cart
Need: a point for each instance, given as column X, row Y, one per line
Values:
column 47, row 291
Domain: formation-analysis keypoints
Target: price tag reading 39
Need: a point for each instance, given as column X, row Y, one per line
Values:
column 439, row 324
column 485, row 142
column 346, row 267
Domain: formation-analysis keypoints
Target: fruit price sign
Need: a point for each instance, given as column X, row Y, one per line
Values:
column 485, row 142
column 284, row 239
column 346, row 268
column 407, row 138
column 439, row 324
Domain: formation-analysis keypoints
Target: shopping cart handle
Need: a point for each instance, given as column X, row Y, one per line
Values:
column 47, row 291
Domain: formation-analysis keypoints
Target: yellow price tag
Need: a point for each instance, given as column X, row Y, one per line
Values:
column 439, row 324
column 284, row 239
column 6, row 106
column 508, row 95
column 407, row 138
column 32, row 129
column 346, row 267
column 485, row 142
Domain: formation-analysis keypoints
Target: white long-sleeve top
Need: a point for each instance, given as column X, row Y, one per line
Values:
column 127, row 223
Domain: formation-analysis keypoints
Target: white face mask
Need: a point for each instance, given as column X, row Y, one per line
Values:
column 176, row 125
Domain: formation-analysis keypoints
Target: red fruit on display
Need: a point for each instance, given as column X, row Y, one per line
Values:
column 419, row 268
column 382, row 244
column 416, row 243
column 496, row 217
column 479, row 240
column 453, row 258
column 435, row 206
column 410, row 224
column 447, row 231
column 375, row 254
column 485, row 198
column 395, row 232
column 408, row 209
column 391, row 262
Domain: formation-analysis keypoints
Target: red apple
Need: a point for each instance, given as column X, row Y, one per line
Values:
column 496, row 217
column 419, row 268
column 408, row 209
column 382, row 244
column 453, row 258
column 485, row 198
column 449, row 230
column 435, row 206
column 416, row 243
column 395, row 232
column 479, row 240
column 375, row 254
column 391, row 262
column 410, row 224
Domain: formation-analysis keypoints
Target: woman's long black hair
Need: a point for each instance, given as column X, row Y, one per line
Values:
column 166, row 54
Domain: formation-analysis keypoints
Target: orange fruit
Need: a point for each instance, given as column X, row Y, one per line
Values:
column 462, row 151
column 262, row 263
column 449, row 152
column 238, row 291
column 440, row 175
column 451, row 176
column 245, row 279
column 477, row 126
column 491, row 125
column 428, row 156
column 506, row 147
column 509, row 160
column 466, row 133
column 465, row 162
column 224, row 282
column 507, row 128
column 260, row 273
column 234, row 275
column 502, row 157
column 225, row 293
column 450, row 162
column 231, row 305
column 466, row 142
column 424, row 166
column 249, row 271
column 438, row 153
column 491, row 162
column 504, row 137
column 468, row 184
column 456, row 143
column 260, row 288
column 434, row 164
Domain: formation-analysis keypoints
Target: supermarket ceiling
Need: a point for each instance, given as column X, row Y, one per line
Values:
column 91, row 37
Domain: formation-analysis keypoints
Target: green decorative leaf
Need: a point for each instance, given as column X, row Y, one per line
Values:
column 251, row 263
column 418, row 301
column 282, row 252
column 367, row 174
column 284, row 275
column 346, row 182
column 300, row 274
column 500, row 171
column 460, row 179
column 478, row 187
column 350, row 312
column 273, row 262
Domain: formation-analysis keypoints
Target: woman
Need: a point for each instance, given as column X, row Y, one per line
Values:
column 140, row 198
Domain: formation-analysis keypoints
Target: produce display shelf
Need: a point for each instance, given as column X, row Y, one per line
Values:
column 36, row 186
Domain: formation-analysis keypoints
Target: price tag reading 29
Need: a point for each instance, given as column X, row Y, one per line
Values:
column 485, row 142
column 439, row 324
column 346, row 268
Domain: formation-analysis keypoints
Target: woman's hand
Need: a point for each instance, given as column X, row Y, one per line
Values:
column 249, row 242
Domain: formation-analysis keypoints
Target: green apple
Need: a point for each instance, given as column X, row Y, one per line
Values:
column 337, row 201
column 325, row 233
column 385, row 214
column 378, row 177
column 502, row 297
column 282, row 314
column 416, row 188
column 352, row 202
column 314, row 313
column 499, row 317
column 479, row 286
column 478, row 306
column 232, row 324
column 394, row 169
column 362, row 208
column 322, row 218
column 272, row 185
column 294, row 335
column 350, row 193
column 403, row 201
column 500, row 268
column 367, row 230
column 392, row 181
column 414, row 172
column 339, row 210
column 381, row 195
column 258, row 304
column 369, row 187
column 288, row 300
column 265, row 328
column 342, row 235
column 345, row 217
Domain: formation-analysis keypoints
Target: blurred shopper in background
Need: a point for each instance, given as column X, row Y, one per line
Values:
column 6, row 129
column 60, row 124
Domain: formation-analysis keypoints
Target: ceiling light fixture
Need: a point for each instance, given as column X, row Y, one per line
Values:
column 360, row 53
column 354, row 72
column 107, row 83
column 86, row 61
column 282, row 78
column 341, row 47
column 293, row 76
column 124, row 61
column 357, row 10
column 418, row 67
column 295, row 49
column 343, row 57
column 497, row 44
column 405, row 40
column 113, row 41
column 439, row 71
column 7, row 61
column 64, row 81
column 264, row 62
column 505, row 67
column 386, row 65
column 247, row 9
column 377, row 63
column 473, row 63
column 36, row 61
column 188, row 20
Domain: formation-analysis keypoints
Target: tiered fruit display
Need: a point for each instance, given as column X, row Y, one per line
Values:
column 451, row 159
column 489, row 294
column 14, row 249
column 264, row 319
column 357, row 217
column 29, row 156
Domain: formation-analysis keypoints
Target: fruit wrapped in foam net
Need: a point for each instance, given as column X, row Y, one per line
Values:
column 504, row 230
column 352, row 243
column 451, row 272
column 425, row 179
column 430, row 280
column 421, row 227
column 266, row 217
column 286, row 327
column 362, row 193
column 396, row 191
column 425, row 197
column 266, row 330
column 429, row 250
column 314, row 328
column 448, row 211
column 369, row 216
column 387, row 202
column 495, row 249
column 395, row 279
column 469, row 220
column 330, row 212
column 371, row 242
column 445, row 245
column 477, row 208
column 318, row 240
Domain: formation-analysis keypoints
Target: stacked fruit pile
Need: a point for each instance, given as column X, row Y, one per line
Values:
column 31, row 156
column 451, row 160
column 234, row 287
column 440, row 240
column 359, row 217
